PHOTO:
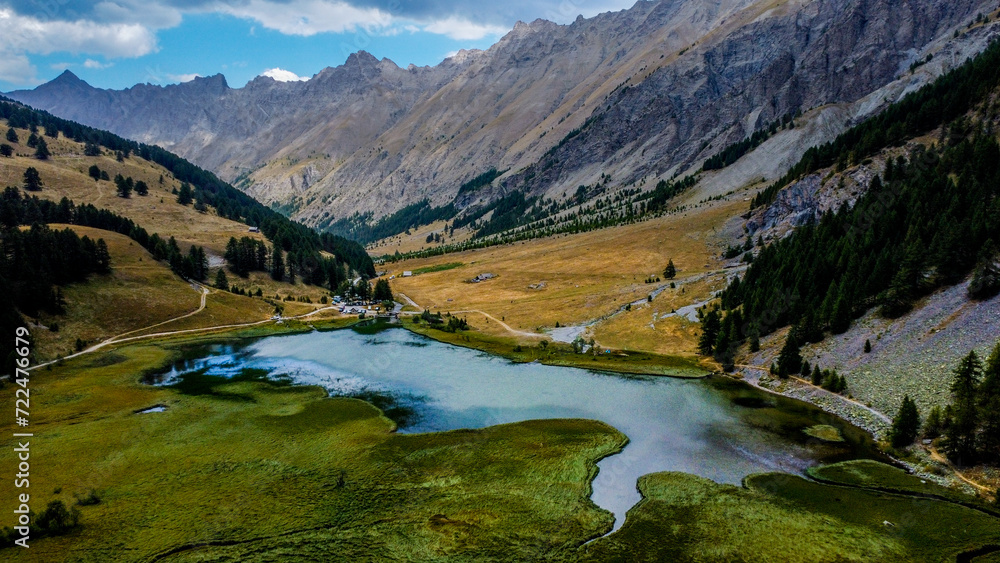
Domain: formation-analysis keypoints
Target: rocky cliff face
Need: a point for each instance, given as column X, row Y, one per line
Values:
column 643, row 93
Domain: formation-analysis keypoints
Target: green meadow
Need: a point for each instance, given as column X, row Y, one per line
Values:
column 253, row 470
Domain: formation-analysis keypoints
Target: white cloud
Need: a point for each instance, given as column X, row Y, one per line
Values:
column 20, row 35
column 307, row 17
column 462, row 30
column 282, row 75
column 91, row 63
column 182, row 77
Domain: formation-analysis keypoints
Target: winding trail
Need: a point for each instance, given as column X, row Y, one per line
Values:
column 118, row 339
column 506, row 326
column 936, row 456
column 503, row 324
column 808, row 383
column 411, row 302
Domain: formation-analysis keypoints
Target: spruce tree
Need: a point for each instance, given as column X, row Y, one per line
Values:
column 670, row 271
column 42, row 150
column 960, row 438
column 989, row 403
column 868, row 346
column 12, row 136
column 277, row 264
column 6, row 150
column 789, row 360
column 221, row 280
column 94, row 172
column 905, row 425
column 32, row 181
column 710, row 326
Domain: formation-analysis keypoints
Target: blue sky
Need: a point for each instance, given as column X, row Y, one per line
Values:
column 119, row 43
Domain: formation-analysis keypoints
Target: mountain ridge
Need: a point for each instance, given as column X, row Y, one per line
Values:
column 640, row 94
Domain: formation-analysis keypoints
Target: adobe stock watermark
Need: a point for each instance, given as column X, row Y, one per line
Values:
column 22, row 450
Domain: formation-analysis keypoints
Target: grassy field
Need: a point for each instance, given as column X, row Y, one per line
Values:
column 779, row 517
column 251, row 471
column 244, row 470
column 576, row 279
column 138, row 292
column 880, row 477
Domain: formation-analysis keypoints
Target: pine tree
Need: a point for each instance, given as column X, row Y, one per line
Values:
column 141, row 188
column 91, row 149
column 12, row 136
column 817, row 376
column 42, row 150
column 32, row 181
column 103, row 257
column 986, row 276
column 185, row 195
column 989, row 403
column 94, row 172
column 670, row 271
column 905, row 425
column 868, row 346
column 221, row 280
column 277, row 264
column 754, row 339
column 382, row 292
column 960, row 438
column 840, row 319
column 934, row 423
column 123, row 187
column 6, row 150
column 789, row 360
column 710, row 326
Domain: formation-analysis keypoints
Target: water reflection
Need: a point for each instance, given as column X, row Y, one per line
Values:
column 719, row 429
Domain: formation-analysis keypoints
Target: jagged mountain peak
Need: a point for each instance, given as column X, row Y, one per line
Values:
column 639, row 94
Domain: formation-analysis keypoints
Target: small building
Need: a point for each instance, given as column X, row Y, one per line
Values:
column 253, row 230
column 407, row 273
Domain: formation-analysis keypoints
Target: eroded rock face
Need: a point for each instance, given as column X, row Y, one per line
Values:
column 644, row 92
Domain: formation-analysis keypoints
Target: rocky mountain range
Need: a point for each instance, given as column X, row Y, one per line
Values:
column 642, row 94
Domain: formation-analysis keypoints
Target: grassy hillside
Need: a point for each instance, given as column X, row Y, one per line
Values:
column 140, row 292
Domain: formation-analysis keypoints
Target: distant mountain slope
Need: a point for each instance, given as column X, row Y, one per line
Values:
column 642, row 93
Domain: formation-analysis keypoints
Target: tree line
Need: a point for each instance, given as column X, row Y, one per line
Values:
column 931, row 223
column 16, row 209
column 34, row 263
column 969, row 425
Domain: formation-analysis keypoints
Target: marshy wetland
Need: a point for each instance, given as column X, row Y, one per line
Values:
column 251, row 459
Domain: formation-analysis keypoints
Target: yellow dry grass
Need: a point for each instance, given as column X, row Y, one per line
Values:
column 64, row 174
column 140, row 292
column 417, row 240
column 586, row 276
